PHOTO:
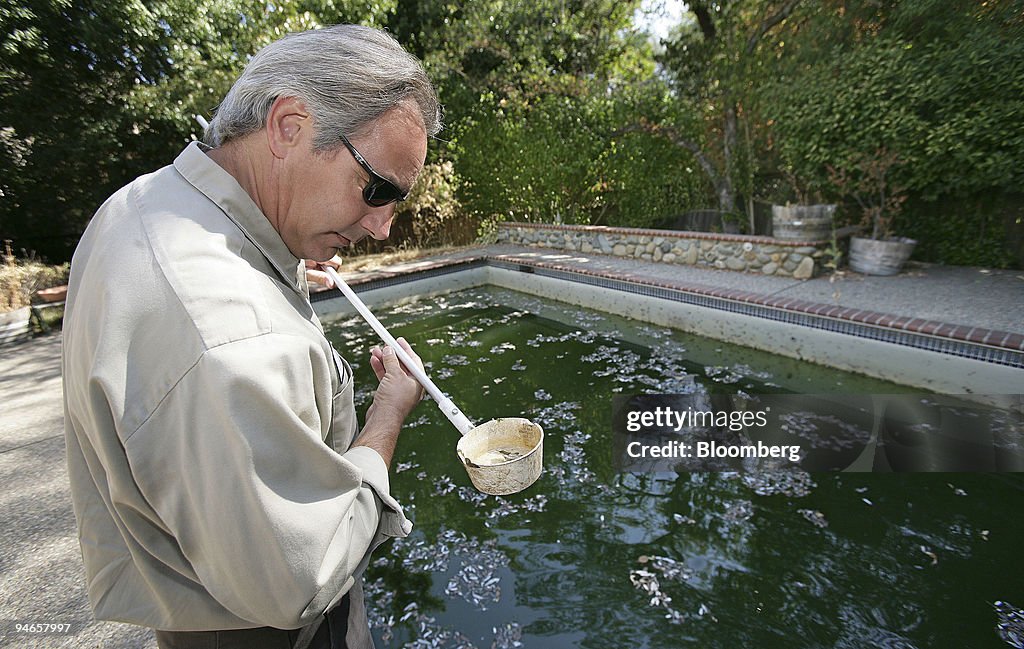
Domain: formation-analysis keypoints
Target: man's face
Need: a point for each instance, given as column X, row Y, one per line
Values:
column 321, row 207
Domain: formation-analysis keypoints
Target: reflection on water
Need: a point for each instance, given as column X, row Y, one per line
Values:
column 590, row 557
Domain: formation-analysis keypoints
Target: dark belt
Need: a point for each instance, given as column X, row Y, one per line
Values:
column 343, row 627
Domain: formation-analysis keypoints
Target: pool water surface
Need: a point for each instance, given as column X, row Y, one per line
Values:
column 593, row 557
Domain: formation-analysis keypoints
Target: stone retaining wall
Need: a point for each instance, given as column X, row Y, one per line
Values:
column 764, row 255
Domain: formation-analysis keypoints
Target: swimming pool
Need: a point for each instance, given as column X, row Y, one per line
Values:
column 592, row 557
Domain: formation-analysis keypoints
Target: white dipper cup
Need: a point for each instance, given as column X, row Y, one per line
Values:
column 502, row 456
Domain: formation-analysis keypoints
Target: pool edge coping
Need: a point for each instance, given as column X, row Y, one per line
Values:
column 1008, row 343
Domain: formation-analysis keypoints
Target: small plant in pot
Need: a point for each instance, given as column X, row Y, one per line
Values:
column 868, row 181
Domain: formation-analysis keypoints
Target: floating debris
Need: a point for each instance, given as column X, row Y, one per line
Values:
column 679, row 518
column 424, row 557
column 721, row 374
column 573, row 465
column 795, row 483
column 454, row 359
column 931, row 555
column 379, row 599
column 443, row 486
column 647, row 581
column 814, row 516
column 838, row 434
column 557, row 416
column 738, row 512
column 477, row 587
column 477, row 581
column 541, row 339
column 505, row 507
column 507, row 636
column 405, row 466
column 518, row 366
column 957, row 491
column 502, row 348
column 669, row 568
column 471, row 496
column 611, row 354
column 704, row 610
column 542, row 395
column 750, row 373
column 1010, row 624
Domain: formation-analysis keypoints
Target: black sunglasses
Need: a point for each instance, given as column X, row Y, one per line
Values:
column 379, row 191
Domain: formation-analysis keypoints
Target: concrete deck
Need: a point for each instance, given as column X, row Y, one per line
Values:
column 978, row 298
column 40, row 564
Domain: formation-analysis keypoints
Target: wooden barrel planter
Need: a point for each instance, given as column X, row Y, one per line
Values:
column 880, row 257
column 802, row 222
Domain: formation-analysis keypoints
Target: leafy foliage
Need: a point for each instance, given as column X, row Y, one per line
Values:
column 938, row 84
column 557, row 110
column 869, row 183
column 434, row 208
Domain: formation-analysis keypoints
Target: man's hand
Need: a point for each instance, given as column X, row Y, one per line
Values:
column 314, row 275
column 396, row 396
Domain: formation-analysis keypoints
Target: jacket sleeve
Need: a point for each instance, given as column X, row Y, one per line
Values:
column 275, row 524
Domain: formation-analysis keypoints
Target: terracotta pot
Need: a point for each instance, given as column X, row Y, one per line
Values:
column 55, row 294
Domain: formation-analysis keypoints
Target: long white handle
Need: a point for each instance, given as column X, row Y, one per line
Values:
column 450, row 410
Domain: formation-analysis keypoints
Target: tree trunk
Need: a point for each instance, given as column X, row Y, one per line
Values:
column 726, row 193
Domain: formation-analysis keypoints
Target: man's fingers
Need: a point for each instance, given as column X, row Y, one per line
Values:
column 376, row 364
column 319, row 277
column 408, row 349
column 390, row 360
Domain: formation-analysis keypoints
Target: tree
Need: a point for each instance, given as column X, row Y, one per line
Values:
column 66, row 70
column 938, row 84
column 93, row 94
column 714, row 62
column 532, row 91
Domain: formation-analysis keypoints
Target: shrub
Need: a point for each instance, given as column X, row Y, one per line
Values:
column 436, row 215
column 20, row 279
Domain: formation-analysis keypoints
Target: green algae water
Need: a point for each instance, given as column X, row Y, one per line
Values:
column 592, row 557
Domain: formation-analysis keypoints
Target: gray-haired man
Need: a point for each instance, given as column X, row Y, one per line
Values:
column 223, row 491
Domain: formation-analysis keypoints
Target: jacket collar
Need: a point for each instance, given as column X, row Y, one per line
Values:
column 221, row 187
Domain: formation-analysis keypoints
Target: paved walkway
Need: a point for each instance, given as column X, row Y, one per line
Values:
column 41, row 575
column 40, row 564
column 958, row 295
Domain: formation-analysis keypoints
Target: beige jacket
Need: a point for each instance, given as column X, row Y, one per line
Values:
column 201, row 403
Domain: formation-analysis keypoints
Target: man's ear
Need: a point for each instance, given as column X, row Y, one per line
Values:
column 288, row 125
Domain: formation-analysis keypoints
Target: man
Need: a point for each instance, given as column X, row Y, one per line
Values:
column 223, row 493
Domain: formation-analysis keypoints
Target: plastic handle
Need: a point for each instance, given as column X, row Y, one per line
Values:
column 450, row 410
